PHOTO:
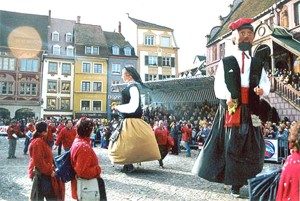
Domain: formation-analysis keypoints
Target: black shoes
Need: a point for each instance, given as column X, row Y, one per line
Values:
column 128, row 168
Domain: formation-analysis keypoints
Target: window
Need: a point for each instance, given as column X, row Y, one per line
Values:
column 28, row 89
column 85, row 105
column 97, row 105
column 86, row 86
column 97, row 68
column 114, row 88
column 222, row 50
column 95, row 50
column 65, row 86
column 55, row 36
column 166, row 61
column 97, row 86
column 86, row 67
column 6, row 88
column 7, row 63
column 52, row 86
column 69, row 38
column 29, row 65
column 115, row 50
column 297, row 13
column 65, row 104
column 52, row 68
column 127, row 51
column 116, row 68
column 51, row 103
column 91, row 50
column 70, row 51
column 88, row 50
column 149, row 40
column 56, row 49
column 152, row 61
column 165, row 41
column 66, row 69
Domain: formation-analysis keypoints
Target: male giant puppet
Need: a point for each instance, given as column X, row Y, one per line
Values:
column 234, row 149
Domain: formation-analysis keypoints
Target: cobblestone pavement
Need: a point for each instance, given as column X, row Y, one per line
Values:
column 148, row 182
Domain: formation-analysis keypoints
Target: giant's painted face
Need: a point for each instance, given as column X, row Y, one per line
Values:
column 245, row 39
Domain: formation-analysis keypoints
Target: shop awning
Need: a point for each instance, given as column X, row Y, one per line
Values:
column 283, row 38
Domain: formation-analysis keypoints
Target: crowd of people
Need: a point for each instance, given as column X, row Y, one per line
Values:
column 287, row 77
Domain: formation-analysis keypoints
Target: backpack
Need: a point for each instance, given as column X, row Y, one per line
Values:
column 64, row 169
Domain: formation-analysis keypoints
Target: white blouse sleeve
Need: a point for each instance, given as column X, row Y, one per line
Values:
column 265, row 83
column 133, row 102
column 220, row 87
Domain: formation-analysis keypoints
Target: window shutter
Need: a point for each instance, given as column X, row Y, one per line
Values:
column 146, row 60
column 172, row 62
column 159, row 61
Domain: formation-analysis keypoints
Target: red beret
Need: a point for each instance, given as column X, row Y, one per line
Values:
column 242, row 23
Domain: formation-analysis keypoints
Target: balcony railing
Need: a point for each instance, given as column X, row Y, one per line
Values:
column 286, row 91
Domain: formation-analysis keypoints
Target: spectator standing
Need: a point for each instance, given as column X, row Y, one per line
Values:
column 161, row 135
column 289, row 183
column 174, row 134
column 186, row 131
column 282, row 135
column 28, row 136
column 13, row 131
column 50, row 133
column 83, row 158
column 61, row 125
column 41, row 168
column 66, row 136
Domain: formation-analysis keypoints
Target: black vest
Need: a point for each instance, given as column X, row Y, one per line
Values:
column 126, row 98
column 233, row 80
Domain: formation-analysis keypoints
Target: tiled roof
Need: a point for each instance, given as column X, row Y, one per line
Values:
column 86, row 34
column 242, row 9
column 143, row 24
column 116, row 38
column 12, row 20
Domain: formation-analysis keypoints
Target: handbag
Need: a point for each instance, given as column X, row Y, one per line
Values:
column 88, row 189
column 64, row 169
column 115, row 134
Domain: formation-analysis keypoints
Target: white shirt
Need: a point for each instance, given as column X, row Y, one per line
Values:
column 133, row 102
column 220, row 87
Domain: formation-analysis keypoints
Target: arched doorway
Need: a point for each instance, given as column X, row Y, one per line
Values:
column 24, row 113
column 263, row 53
column 4, row 113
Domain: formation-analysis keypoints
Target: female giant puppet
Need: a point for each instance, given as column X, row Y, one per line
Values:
column 136, row 140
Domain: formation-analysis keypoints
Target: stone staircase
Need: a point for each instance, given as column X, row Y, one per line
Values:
column 284, row 107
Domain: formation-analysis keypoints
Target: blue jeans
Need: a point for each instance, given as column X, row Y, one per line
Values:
column 187, row 147
column 179, row 142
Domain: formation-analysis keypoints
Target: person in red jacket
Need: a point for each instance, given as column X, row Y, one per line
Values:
column 61, row 125
column 66, row 136
column 51, row 132
column 186, row 131
column 161, row 135
column 289, row 183
column 13, row 131
column 83, row 158
column 41, row 168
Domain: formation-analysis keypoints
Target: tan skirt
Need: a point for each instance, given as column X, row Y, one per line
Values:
column 136, row 143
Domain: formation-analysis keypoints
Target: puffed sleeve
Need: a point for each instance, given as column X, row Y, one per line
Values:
column 220, row 87
column 264, row 82
column 133, row 103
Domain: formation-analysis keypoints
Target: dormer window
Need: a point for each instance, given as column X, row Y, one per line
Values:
column 70, row 50
column 55, row 36
column 69, row 37
column 127, row 51
column 116, row 50
column 92, row 50
column 165, row 41
column 56, row 50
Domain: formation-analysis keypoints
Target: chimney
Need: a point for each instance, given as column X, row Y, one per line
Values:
column 119, row 27
column 221, row 20
column 49, row 16
column 78, row 19
column 231, row 7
